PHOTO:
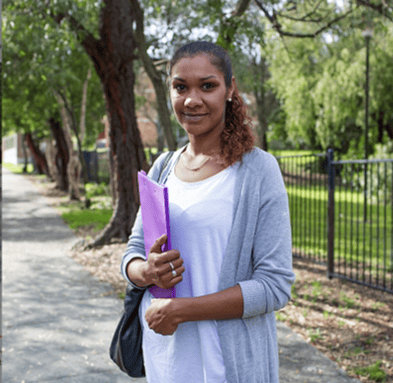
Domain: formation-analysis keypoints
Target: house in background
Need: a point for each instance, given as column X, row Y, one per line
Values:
column 12, row 149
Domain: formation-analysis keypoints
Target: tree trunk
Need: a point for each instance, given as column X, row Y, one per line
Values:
column 113, row 58
column 39, row 158
column 382, row 126
column 82, row 127
column 389, row 129
column 51, row 155
column 155, row 77
column 82, row 123
column 25, row 162
column 62, row 155
column 160, row 137
column 74, row 166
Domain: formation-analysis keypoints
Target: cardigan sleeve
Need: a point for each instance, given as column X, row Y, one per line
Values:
column 136, row 244
column 269, row 288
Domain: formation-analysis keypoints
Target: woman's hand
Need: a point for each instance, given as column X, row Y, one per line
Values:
column 158, row 268
column 161, row 317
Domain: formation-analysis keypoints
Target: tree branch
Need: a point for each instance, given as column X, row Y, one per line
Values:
column 301, row 19
column 271, row 18
column 68, row 108
column 278, row 27
column 306, row 16
column 86, row 38
column 380, row 8
column 154, row 75
column 241, row 7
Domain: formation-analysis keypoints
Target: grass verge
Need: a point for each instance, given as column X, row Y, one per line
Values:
column 17, row 169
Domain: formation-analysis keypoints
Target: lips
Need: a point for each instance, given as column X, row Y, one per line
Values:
column 193, row 117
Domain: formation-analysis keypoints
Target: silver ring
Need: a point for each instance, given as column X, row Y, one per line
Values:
column 172, row 267
column 174, row 273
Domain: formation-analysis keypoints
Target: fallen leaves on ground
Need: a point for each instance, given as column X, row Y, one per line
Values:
column 350, row 323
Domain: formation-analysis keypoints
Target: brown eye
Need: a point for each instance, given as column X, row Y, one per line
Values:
column 208, row 86
column 179, row 87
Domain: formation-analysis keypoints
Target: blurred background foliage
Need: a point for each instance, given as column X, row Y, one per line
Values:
column 300, row 63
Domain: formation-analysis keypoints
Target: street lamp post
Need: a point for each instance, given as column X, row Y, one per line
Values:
column 367, row 34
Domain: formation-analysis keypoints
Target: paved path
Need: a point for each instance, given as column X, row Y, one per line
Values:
column 58, row 320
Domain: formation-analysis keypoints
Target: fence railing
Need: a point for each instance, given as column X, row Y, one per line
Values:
column 342, row 215
column 361, row 217
column 305, row 178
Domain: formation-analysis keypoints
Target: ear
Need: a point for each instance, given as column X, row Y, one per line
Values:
column 231, row 89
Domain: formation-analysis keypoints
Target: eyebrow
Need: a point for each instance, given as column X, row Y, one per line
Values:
column 202, row 79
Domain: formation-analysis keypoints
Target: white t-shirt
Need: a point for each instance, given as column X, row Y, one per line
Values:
column 200, row 220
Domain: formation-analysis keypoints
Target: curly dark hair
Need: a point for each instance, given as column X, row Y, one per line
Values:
column 237, row 136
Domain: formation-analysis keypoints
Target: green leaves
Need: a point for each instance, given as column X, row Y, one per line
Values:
column 321, row 86
column 42, row 58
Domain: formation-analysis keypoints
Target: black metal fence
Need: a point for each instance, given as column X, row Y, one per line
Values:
column 97, row 164
column 342, row 215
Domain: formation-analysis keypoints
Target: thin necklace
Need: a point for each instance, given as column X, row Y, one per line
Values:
column 199, row 167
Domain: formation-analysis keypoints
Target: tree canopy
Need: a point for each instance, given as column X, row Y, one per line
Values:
column 321, row 86
column 303, row 60
column 291, row 36
column 43, row 60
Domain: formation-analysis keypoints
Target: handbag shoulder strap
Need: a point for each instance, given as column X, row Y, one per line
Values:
column 165, row 164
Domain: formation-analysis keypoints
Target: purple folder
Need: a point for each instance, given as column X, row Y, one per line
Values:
column 155, row 220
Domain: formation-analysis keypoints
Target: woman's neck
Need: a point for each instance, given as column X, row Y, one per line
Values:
column 203, row 146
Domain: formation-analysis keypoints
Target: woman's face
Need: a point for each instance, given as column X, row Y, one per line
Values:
column 199, row 95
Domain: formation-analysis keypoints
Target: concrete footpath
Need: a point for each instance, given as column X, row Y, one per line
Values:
column 58, row 320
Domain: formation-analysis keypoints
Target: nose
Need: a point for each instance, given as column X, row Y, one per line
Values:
column 192, row 102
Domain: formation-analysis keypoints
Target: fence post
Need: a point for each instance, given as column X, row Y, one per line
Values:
column 330, row 233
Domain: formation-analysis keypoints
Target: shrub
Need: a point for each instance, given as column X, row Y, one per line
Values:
column 93, row 189
column 374, row 372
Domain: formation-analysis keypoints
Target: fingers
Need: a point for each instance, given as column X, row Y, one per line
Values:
column 169, row 255
column 175, row 275
column 164, row 269
column 165, row 276
column 159, row 259
column 156, row 248
column 176, row 268
column 159, row 265
column 173, row 282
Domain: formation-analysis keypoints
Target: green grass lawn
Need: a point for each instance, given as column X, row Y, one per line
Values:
column 97, row 218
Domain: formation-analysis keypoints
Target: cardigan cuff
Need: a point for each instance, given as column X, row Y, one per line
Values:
column 126, row 260
column 252, row 303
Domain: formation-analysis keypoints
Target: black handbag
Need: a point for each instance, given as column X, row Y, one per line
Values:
column 126, row 346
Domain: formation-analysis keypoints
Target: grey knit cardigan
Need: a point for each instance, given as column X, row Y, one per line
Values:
column 258, row 258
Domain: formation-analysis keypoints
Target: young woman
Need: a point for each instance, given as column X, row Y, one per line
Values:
column 230, row 226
